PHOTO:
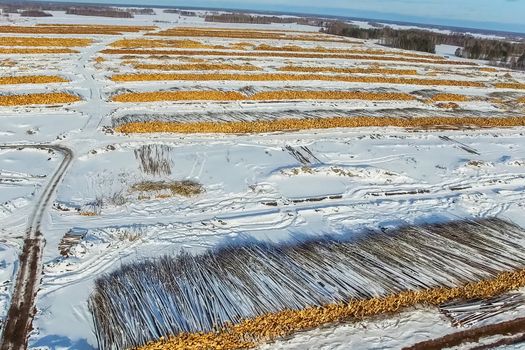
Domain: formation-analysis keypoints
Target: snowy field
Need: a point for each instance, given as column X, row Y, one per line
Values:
column 268, row 186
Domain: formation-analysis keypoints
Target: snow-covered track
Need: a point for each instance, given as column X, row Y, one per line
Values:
column 19, row 319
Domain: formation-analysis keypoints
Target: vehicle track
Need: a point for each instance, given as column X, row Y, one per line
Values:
column 19, row 318
column 505, row 329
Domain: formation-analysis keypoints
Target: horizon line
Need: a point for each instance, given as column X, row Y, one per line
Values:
column 310, row 12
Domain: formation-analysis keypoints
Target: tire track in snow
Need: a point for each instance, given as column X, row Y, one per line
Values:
column 19, row 318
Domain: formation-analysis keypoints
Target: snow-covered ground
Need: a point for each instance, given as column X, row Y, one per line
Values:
column 366, row 25
column 255, row 185
column 409, row 327
column 22, row 174
column 242, row 174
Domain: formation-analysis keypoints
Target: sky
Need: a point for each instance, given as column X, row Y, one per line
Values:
column 507, row 15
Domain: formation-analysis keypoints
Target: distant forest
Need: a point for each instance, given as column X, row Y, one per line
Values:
column 245, row 18
column 498, row 52
column 181, row 12
column 35, row 13
column 35, row 9
column 99, row 12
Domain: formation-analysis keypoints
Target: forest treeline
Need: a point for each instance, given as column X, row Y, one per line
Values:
column 99, row 12
column 35, row 13
column 245, row 18
column 143, row 11
column 498, row 51
column 37, row 9
column 181, row 12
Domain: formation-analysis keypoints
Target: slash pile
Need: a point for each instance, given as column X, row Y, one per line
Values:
column 31, row 50
column 149, row 43
column 58, row 42
column 74, row 29
column 283, row 54
column 470, row 312
column 331, row 95
column 191, row 44
column 510, row 85
column 449, row 97
column 213, row 95
column 349, row 70
column 235, row 297
column 290, row 77
column 197, row 66
column 295, row 48
column 242, row 127
column 38, row 99
column 32, row 79
column 245, row 34
column 179, row 96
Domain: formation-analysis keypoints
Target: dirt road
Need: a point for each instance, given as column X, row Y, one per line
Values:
column 509, row 332
column 19, row 319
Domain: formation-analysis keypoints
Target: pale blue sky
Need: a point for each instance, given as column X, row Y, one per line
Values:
column 489, row 14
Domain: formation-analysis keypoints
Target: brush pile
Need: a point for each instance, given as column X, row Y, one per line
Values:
column 262, row 290
column 184, row 188
column 154, row 159
column 447, row 105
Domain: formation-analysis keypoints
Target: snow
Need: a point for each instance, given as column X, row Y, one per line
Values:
column 18, row 186
column 8, row 263
column 366, row 25
column 408, row 27
column 160, row 19
column 446, row 50
column 240, row 173
column 254, row 186
column 408, row 328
